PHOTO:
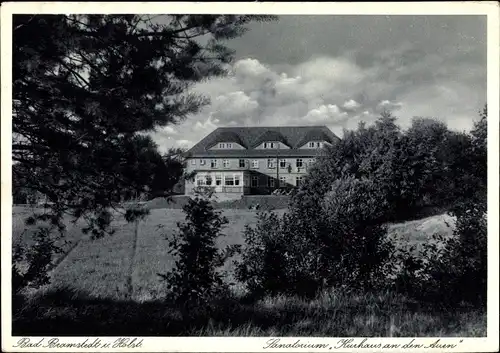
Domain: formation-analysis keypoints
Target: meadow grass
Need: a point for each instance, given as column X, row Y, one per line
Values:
column 69, row 312
column 101, row 266
column 110, row 286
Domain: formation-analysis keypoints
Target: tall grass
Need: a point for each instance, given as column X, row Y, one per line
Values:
column 90, row 295
column 333, row 313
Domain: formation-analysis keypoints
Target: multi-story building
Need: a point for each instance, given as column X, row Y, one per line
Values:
column 255, row 160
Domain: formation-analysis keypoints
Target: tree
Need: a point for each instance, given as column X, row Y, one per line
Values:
column 86, row 91
column 84, row 86
column 422, row 174
column 196, row 278
column 371, row 152
column 460, row 264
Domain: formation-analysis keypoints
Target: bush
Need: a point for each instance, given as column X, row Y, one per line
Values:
column 456, row 271
column 31, row 265
column 450, row 271
column 277, row 258
column 196, row 280
column 343, row 245
column 354, row 247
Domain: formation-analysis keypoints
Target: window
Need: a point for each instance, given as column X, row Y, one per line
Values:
column 200, row 181
column 319, row 144
column 222, row 145
column 193, row 161
column 270, row 182
column 229, row 145
column 208, row 180
column 270, row 163
column 213, row 163
column 255, row 164
column 298, row 180
column 255, row 181
column 229, row 180
column 242, row 163
column 225, row 162
column 218, row 180
column 282, row 163
column 202, row 162
column 236, row 179
column 311, row 145
column 282, row 180
column 311, row 161
column 269, row 144
column 299, row 163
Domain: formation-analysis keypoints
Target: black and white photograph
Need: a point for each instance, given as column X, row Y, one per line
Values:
column 250, row 174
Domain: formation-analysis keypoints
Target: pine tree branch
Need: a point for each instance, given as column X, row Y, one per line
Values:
column 24, row 24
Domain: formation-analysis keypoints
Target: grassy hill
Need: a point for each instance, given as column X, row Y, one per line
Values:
column 119, row 275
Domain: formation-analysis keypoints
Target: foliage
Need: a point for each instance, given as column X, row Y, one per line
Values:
column 30, row 266
column 277, row 258
column 343, row 246
column 455, row 270
column 381, row 173
column 418, row 167
column 84, row 86
column 353, row 244
column 87, row 90
column 196, row 279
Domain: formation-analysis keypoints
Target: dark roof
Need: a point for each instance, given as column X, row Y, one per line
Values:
column 314, row 135
column 224, row 136
column 249, row 137
column 270, row 135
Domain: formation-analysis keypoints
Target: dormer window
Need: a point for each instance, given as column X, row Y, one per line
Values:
column 270, row 145
column 225, row 145
column 315, row 144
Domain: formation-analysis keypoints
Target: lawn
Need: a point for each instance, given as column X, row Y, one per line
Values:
column 118, row 275
column 126, row 264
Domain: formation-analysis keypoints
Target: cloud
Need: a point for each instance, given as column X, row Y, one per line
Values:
column 333, row 91
column 249, row 68
column 388, row 105
column 169, row 130
column 234, row 104
column 325, row 114
column 351, row 105
column 184, row 143
column 208, row 125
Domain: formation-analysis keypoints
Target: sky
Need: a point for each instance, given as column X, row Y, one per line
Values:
column 340, row 70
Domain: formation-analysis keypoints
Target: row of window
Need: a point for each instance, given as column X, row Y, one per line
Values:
column 235, row 180
column 271, row 145
column 230, row 180
column 242, row 163
column 315, row 144
column 225, row 145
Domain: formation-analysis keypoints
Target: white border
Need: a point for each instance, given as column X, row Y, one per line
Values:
column 240, row 344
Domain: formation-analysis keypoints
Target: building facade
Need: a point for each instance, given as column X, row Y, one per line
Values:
column 239, row 161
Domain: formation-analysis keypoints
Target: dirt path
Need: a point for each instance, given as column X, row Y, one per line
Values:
column 74, row 245
column 129, row 283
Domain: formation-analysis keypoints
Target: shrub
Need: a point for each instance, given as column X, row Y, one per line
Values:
column 343, row 245
column 195, row 279
column 353, row 240
column 451, row 270
column 31, row 265
column 456, row 271
column 277, row 258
